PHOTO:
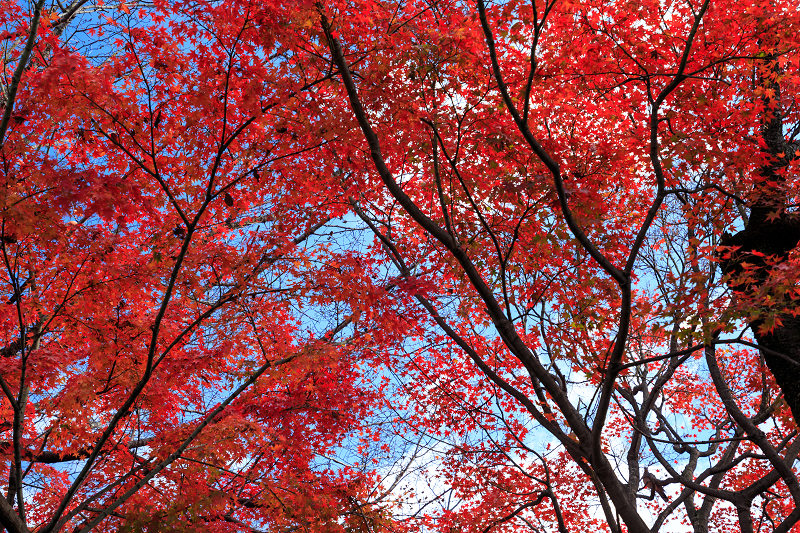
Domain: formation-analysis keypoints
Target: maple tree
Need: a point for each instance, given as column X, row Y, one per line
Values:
column 159, row 366
column 250, row 246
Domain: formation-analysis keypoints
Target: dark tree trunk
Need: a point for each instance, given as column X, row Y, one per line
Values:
column 785, row 340
column 781, row 345
column 771, row 232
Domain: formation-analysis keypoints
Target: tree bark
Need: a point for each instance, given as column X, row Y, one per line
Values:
column 770, row 233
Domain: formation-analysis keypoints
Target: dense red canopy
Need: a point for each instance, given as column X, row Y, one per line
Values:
column 399, row 266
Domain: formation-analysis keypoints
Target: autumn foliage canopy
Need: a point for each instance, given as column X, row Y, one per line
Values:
column 402, row 265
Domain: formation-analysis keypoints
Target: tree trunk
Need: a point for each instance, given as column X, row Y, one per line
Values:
column 772, row 231
column 782, row 355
